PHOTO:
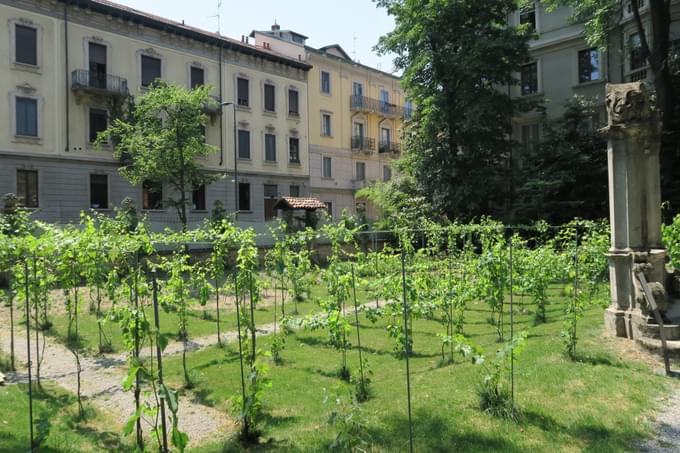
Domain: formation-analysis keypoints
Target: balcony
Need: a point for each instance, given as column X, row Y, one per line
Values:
column 361, row 143
column 637, row 76
column 389, row 147
column 370, row 105
column 86, row 81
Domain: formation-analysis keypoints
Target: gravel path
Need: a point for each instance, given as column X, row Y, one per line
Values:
column 667, row 428
column 102, row 375
column 101, row 379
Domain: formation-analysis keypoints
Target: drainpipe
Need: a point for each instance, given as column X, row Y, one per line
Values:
column 221, row 111
column 66, row 75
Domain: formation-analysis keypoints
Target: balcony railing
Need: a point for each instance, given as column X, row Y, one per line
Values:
column 97, row 82
column 389, row 147
column 365, row 104
column 637, row 76
column 360, row 142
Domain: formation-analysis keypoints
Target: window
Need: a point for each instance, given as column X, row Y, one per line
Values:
column 530, row 137
column 357, row 89
column 99, row 192
column 151, row 70
column 326, row 168
column 636, row 59
column 269, row 97
column 385, row 136
column 26, row 41
column 243, row 144
column 588, row 65
column 529, row 78
column 359, row 130
column 198, row 198
column 294, row 191
column 387, row 173
column 271, row 193
column 98, row 123
column 527, row 15
column 325, row 124
column 204, row 132
column 294, row 150
column 243, row 88
column 326, row 82
column 270, row 147
column 384, row 100
column 293, row 104
column 197, row 77
column 152, row 195
column 408, row 109
column 244, row 196
column 97, row 65
column 329, row 208
column 27, row 187
column 26, row 117
column 361, row 171
column 629, row 6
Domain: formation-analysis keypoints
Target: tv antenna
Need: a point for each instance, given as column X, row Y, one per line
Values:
column 219, row 21
column 354, row 47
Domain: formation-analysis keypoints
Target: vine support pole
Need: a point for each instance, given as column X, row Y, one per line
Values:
column 356, row 317
column 217, row 302
column 576, row 289
column 140, row 438
column 28, row 355
column 164, row 427
column 407, row 349
column 10, row 296
column 253, row 334
column 37, row 325
column 512, row 326
column 246, row 428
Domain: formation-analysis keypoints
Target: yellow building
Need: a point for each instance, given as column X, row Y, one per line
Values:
column 355, row 119
column 65, row 64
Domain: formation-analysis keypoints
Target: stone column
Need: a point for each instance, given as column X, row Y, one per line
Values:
column 634, row 202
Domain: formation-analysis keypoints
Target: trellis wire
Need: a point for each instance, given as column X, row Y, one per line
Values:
column 512, row 331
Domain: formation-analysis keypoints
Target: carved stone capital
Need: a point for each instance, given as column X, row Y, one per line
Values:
column 628, row 105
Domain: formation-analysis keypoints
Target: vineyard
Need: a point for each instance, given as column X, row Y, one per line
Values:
column 464, row 337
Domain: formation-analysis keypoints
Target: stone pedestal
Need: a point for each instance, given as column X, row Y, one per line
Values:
column 635, row 210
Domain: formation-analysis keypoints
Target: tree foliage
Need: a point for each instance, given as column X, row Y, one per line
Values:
column 161, row 139
column 565, row 176
column 601, row 19
column 455, row 54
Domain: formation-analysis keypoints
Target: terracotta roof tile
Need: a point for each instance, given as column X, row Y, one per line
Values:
column 299, row 203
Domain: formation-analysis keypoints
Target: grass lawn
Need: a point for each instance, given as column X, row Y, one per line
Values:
column 597, row 404
column 201, row 322
column 64, row 432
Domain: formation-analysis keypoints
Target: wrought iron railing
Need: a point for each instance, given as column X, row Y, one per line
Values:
column 640, row 74
column 82, row 79
column 365, row 104
column 363, row 143
column 389, row 147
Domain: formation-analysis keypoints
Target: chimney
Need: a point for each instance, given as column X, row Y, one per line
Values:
column 276, row 27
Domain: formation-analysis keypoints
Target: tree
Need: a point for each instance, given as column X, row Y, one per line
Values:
column 600, row 18
column 457, row 56
column 565, row 176
column 161, row 139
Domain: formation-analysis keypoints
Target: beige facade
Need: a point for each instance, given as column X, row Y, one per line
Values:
column 355, row 119
column 61, row 85
column 565, row 65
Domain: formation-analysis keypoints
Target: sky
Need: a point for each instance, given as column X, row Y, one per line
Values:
column 323, row 21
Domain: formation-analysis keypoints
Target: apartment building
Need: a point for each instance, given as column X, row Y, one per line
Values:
column 564, row 65
column 69, row 64
column 355, row 118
